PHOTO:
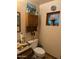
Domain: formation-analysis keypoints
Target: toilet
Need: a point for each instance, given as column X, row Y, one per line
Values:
column 39, row 52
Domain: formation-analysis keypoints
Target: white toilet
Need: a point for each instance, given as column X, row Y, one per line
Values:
column 38, row 51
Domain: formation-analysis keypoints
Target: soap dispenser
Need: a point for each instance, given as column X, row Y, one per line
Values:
column 21, row 37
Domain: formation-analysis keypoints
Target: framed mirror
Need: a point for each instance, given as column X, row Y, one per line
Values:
column 18, row 22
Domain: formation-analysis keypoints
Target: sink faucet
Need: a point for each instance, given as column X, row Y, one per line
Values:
column 28, row 43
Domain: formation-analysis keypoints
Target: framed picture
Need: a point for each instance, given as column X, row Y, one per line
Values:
column 18, row 22
column 53, row 18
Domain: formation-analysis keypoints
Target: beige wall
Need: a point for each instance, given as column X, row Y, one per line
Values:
column 21, row 7
column 50, row 36
column 21, row 4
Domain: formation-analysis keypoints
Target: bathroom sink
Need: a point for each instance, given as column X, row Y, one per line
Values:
column 21, row 47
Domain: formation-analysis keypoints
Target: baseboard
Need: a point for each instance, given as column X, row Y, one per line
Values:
column 53, row 57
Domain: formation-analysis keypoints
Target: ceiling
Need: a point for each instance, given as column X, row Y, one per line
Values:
column 40, row 1
column 44, row 1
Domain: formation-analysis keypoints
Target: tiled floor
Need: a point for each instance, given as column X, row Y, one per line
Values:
column 47, row 56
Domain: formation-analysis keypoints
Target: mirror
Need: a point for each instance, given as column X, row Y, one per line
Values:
column 18, row 22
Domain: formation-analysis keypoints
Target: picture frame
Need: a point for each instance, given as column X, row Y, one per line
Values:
column 53, row 18
column 18, row 22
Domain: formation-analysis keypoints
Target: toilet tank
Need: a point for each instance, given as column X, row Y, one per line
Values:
column 33, row 43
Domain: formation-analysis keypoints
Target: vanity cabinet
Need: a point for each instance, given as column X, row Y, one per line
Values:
column 26, row 54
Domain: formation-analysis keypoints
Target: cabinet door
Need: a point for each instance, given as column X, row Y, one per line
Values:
column 26, row 54
column 32, row 20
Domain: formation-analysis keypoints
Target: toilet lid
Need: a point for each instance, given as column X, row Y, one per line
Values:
column 39, row 50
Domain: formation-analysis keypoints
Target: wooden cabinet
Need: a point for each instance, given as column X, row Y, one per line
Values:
column 26, row 54
column 32, row 20
column 32, row 23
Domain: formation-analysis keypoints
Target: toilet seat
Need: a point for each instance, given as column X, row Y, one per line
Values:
column 39, row 51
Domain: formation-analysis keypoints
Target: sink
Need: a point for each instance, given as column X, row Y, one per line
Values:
column 21, row 47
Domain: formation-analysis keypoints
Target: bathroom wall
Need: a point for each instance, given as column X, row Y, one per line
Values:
column 21, row 7
column 50, row 36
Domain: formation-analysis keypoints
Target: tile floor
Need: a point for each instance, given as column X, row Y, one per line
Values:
column 46, row 57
